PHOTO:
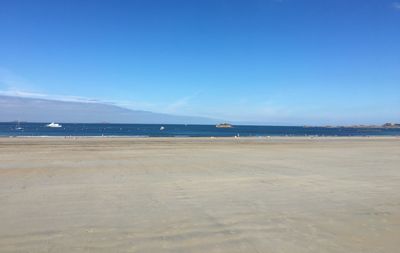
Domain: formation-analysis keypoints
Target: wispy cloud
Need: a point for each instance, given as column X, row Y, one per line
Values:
column 27, row 94
column 11, row 81
column 134, row 105
column 17, row 93
column 129, row 104
column 179, row 105
column 12, row 84
column 396, row 5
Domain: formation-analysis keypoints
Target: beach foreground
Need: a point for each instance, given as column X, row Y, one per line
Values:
column 200, row 195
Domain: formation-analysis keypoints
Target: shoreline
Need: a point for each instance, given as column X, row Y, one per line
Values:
column 384, row 126
column 204, row 137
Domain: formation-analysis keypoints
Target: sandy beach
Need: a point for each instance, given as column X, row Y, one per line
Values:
column 200, row 194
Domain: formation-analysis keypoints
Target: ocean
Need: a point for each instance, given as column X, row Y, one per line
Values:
column 154, row 130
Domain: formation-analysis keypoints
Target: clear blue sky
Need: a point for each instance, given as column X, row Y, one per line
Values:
column 269, row 61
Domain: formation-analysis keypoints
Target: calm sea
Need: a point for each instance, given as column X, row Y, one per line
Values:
column 153, row 130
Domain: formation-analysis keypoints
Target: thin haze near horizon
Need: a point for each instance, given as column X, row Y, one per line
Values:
column 284, row 61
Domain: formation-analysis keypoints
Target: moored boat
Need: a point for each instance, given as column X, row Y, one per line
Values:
column 224, row 125
column 54, row 125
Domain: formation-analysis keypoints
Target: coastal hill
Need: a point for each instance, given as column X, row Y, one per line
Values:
column 44, row 110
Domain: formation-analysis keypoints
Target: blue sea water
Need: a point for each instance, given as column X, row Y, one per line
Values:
column 153, row 130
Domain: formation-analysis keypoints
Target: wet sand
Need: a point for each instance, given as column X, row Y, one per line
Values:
column 200, row 195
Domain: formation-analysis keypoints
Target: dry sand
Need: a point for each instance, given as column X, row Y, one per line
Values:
column 200, row 195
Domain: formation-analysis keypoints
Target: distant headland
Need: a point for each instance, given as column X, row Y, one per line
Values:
column 386, row 125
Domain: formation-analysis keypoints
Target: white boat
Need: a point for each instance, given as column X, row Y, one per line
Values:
column 162, row 128
column 53, row 125
column 18, row 126
column 224, row 125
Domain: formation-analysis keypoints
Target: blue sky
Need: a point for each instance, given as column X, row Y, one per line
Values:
column 267, row 61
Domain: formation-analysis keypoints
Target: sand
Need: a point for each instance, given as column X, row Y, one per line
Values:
column 200, row 195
